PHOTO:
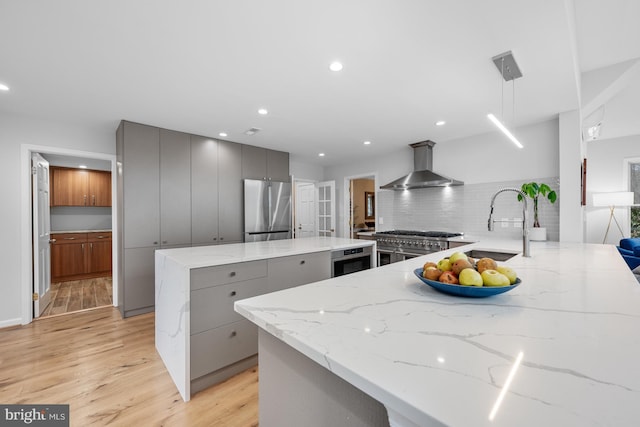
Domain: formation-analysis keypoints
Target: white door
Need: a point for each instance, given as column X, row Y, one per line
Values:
column 326, row 208
column 305, row 209
column 42, row 231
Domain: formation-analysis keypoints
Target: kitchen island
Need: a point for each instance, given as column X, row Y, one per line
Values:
column 378, row 347
column 199, row 337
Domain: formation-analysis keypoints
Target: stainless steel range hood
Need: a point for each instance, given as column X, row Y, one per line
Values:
column 422, row 176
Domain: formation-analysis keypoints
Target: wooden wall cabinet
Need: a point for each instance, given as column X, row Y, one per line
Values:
column 79, row 187
column 77, row 256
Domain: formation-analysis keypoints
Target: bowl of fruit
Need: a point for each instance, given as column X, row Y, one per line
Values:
column 464, row 276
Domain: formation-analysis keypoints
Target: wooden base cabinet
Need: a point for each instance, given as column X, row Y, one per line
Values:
column 77, row 256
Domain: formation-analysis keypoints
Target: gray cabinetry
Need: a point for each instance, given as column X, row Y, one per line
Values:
column 139, row 281
column 260, row 163
column 141, row 173
column 204, row 191
column 222, row 343
column 230, row 192
column 278, row 165
column 175, row 189
column 290, row 271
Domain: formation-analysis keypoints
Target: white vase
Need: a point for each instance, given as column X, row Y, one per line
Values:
column 538, row 233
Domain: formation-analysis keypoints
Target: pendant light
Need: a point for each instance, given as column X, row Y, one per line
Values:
column 508, row 68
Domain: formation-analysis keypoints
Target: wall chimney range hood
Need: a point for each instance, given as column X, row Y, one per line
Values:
column 422, row 176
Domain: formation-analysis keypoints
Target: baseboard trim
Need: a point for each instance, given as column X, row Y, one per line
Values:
column 10, row 322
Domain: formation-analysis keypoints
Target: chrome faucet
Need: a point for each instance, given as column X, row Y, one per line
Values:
column 525, row 233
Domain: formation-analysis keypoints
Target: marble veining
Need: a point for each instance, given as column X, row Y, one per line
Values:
column 430, row 357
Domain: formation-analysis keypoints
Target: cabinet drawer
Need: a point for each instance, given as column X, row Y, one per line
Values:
column 231, row 273
column 296, row 270
column 219, row 347
column 98, row 237
column 61, row 238
column 212, row 307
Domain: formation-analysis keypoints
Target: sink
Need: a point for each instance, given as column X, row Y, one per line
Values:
column 486, row 253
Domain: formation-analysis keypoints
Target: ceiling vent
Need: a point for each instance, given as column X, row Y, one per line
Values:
column 252, row 131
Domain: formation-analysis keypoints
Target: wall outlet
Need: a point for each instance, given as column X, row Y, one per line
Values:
column 380, row 220
column 517, row 222
column 504, row 222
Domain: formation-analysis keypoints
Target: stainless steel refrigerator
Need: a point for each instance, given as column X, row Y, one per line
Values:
column 267, row 210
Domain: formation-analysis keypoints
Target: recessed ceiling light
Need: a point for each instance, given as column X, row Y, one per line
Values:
column 335, row 66
column 82, row 166
column 320, row 154
column 367, row 143
column 440, row 123
column 4, row 87
column 263, row 111
column 222, row 134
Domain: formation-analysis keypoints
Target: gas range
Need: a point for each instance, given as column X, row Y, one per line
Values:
column 398, row 245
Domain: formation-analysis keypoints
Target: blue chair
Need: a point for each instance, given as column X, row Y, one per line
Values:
column 630, row 251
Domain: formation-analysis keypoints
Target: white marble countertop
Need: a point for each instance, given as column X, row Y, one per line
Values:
column 81, row 231
column 209, row 256
column 571, row 328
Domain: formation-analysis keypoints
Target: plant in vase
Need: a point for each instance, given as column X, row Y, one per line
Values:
column 534, row 190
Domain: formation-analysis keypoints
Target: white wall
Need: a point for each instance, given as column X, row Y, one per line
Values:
column 488, row 158
column 15, row 131
column 605, row 173
column 305, row 171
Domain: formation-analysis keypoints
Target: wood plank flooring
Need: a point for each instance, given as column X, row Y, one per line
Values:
column 76, row 295
column 109, row 372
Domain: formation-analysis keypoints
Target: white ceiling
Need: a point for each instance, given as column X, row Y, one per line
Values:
column 207, row 66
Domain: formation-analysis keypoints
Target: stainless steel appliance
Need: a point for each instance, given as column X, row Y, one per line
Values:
column 267, row 210
column 348, row 261
column 399, row 245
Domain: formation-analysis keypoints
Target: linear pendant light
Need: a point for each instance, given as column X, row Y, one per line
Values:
column 504, row 130
column 509, row 70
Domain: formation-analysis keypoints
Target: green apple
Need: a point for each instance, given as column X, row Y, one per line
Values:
column 456, row 256
column 470, row 277
column 494, row 278
column 444, row 264
column 509, row 272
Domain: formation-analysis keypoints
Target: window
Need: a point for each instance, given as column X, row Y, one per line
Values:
column 634, row 185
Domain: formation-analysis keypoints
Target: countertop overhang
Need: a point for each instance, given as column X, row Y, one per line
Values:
column 433, row 358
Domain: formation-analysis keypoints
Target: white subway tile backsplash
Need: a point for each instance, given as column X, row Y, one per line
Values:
column 465, row 208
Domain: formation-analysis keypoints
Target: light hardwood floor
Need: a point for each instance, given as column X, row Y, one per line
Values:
column 76, row 295
column 109, row 372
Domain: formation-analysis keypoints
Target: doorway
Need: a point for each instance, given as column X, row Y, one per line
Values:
column 361, row 205
column 31, row 276
column 314, row 208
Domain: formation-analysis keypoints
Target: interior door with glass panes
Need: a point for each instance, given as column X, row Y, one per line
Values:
column 326, row 205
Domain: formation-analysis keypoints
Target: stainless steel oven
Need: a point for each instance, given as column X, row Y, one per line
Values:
column 348, row 261
column 399, row 245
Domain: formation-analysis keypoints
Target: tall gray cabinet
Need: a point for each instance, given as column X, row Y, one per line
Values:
column 174, row 190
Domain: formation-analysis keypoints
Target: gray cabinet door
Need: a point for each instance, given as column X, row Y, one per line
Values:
column 278, row 165
column 139, row 278
column 141, row 174
column 295, row 270
column 175, row 188
column 204, row 190
column 254, row 162
column 230, row 192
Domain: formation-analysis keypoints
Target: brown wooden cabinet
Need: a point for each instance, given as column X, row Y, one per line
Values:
column 80, row 187
column 80, row 255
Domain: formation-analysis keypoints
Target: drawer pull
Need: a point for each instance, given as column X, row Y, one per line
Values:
column 69, row 238
column 100, row 237
column 232, row 274
column 302, row 262
column 232, row 294
column 232, row 334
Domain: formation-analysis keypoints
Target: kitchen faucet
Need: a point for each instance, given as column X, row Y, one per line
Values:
column 525, row 232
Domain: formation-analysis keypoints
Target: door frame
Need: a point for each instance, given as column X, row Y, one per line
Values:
column 346, row 230
column 26, row 226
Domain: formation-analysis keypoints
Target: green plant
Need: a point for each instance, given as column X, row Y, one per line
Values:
column 534, row 190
